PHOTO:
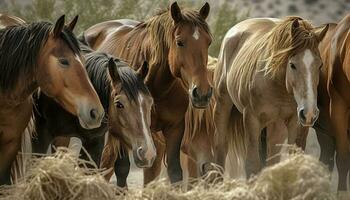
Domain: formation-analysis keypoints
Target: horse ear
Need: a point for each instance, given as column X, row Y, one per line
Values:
column 143, row 71
column 175, row 12
column 204, row 11
column 112, row 69
column 295, row 25
column 321, row 31
column 58, row 26
column 72, row 24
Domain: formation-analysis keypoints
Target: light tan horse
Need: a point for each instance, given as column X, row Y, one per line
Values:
column 267, row 76
column 44, row 55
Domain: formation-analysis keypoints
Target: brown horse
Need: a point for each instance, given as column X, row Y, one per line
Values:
column 198, row 142
column 268, row 69
column 175, row 42
column 41, row 55
column 333, row 125
column 127, row 103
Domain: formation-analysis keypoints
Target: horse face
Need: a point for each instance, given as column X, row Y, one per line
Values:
column 130, row 121
column 188, row 56
column 302, row 76
column 61, row 75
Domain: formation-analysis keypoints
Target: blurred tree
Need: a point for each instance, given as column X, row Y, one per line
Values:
column 226, row 17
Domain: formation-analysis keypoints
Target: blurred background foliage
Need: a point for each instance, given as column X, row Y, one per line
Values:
column 91, row 12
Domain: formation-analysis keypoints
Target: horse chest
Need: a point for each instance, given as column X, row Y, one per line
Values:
column 171, row 108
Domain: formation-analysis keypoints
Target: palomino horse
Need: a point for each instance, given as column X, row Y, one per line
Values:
column 175, row 42
column 267, row 70
column 127, row 104
column 333, row 125
column 41, row 55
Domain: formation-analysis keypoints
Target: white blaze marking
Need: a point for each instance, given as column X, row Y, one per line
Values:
column 308, row 59
column 150, row 153
column 196, row 33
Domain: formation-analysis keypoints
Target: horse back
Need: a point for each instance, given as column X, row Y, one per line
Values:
column 8, row 20
column 99, row 33
column 235, row 41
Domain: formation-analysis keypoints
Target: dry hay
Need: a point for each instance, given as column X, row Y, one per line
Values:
column 59, row 176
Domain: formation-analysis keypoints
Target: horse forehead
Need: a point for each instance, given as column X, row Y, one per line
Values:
column 308, row 58
column 196, row 33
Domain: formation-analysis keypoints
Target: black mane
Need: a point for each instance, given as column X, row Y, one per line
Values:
column 19, row 50
column 97, row 68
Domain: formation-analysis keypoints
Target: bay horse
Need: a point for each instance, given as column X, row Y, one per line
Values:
column 127, row 104
column 175, row 43
column 267, row 76
column 197, row 144
column 333, row 126
column 45, row 55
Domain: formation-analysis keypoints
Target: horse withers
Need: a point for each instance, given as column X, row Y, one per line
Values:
column 175, row 42
column 267, row 76
column 44, row 55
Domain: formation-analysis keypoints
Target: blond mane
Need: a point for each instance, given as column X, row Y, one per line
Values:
column 270, row 52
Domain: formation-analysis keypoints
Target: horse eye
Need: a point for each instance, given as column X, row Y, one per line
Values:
column 180, row 44
column 119, row 105
column 292, row 66
column 63, row 61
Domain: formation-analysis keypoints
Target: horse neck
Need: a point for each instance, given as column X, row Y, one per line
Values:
column 22, row 91
column 159, row 79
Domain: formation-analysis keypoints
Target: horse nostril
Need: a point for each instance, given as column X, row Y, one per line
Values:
column 210, row 92
column 302, row 115
column 93, row 113
column 140, row 153
column 195, row 92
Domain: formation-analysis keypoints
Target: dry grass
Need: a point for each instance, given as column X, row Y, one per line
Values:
column 59, row 176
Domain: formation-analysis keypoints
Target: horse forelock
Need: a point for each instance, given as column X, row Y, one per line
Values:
column 161, row 29
column 281, row 44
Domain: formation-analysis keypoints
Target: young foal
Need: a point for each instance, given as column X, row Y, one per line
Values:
column 127, row 104
column 267, row 70
column 41, row 55
column 175, row 42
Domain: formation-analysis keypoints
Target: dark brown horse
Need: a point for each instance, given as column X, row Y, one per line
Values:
column 175, row 42
column 127, row 104
column 41, row 55
column 332, row 127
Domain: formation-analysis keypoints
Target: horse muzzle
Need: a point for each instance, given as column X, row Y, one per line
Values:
column 199, row 100
column 308, row 118
column 90, row 117
column 144, row 157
